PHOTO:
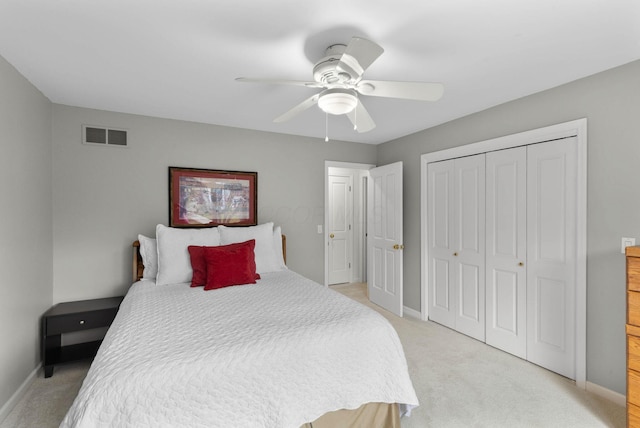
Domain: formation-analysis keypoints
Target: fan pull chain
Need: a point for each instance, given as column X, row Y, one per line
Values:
column 355, row 115
column 326, row 127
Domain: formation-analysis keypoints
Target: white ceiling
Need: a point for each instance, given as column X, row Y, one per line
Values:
column 178, row 58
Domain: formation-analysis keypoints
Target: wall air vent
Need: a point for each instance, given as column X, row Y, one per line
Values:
column 104, row 136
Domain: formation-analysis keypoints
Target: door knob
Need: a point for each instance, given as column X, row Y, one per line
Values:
column 455, row 254
column 332, row 235
column 520, row 264
column 398, row 247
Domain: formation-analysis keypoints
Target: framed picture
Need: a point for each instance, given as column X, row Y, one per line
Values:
column 206, row 198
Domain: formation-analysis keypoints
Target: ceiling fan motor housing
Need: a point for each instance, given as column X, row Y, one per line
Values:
column 326, row 71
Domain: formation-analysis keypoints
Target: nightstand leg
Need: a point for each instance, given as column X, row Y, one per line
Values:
column 51, row 353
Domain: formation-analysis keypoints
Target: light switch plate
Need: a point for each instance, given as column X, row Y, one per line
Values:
column 627, row 242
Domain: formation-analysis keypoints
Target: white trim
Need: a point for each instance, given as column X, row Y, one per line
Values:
column 327, row 165
column 577, row 128
column 601, row 391
column 581, row 255
column 19, row 394
column 409, row 312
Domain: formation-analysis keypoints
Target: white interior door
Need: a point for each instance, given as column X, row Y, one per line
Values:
column 506, row 248
column 469, row 246
column 384, row 249
column 551, row 255
column 340, row 228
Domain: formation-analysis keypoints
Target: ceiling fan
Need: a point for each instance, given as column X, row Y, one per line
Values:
column 339, row 75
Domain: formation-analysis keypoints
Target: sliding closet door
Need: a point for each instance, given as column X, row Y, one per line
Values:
column 469, row 246
column 551, row 255
column 506, row 287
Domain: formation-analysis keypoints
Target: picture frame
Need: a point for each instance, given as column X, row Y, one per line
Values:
column 207, row 198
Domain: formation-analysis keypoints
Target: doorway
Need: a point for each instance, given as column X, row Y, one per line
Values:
column 345, row 217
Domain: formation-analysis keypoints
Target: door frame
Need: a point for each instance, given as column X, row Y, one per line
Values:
column 358, row 203
column 576, row 128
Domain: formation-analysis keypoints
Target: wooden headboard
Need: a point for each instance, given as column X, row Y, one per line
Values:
column 138, row 265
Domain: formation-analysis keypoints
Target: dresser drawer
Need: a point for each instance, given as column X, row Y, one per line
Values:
column 80, row 321
column 633, row 387
column 633, row 273
column 633, row 309
column 633, row 356
column 633, row 415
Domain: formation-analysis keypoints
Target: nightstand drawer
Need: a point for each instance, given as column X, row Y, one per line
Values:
column 80, row 321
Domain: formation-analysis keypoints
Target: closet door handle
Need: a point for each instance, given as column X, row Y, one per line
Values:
column 332, row 235
column 455, row 254
column 521, row 264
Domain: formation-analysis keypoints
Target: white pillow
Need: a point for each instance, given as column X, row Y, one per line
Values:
column 174, row 263
column 266, row 260
column 277, row 245
column 149, row 253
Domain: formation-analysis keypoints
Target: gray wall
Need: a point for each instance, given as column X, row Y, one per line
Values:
column 104, row 196
column 25, row 225
column 611, row 103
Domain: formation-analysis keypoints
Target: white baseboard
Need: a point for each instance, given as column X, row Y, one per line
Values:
column 610, row 395
column 411, row 312
column 17, row 396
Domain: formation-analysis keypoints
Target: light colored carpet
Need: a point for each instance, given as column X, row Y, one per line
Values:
column 460, row 382
column 47, row 400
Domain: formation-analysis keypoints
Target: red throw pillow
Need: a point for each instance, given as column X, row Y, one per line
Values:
column 233, row 264
column 198, row 265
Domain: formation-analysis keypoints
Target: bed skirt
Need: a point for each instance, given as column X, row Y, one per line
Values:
column 370, row 415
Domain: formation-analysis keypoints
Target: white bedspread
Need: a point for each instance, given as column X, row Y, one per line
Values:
column 278, row 353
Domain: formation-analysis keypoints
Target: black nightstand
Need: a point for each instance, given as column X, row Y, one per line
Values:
column 71, row 317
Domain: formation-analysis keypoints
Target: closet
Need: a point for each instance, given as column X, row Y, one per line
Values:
column 502, row 249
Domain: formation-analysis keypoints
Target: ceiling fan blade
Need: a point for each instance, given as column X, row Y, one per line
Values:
column 421, row 91
column 298, row 109
column 358, row 56
column 280, row 82
column 361, row 119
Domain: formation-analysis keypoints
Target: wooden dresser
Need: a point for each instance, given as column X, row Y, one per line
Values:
column 633, row 336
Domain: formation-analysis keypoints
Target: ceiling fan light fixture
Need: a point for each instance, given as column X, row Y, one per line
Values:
column 338, row 101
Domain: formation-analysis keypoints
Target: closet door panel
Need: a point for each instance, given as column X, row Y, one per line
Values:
column 469, row 245
column 440, row 261
column 551, row 237
column 506, row 250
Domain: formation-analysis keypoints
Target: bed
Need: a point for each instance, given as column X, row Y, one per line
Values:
column 281, row 352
